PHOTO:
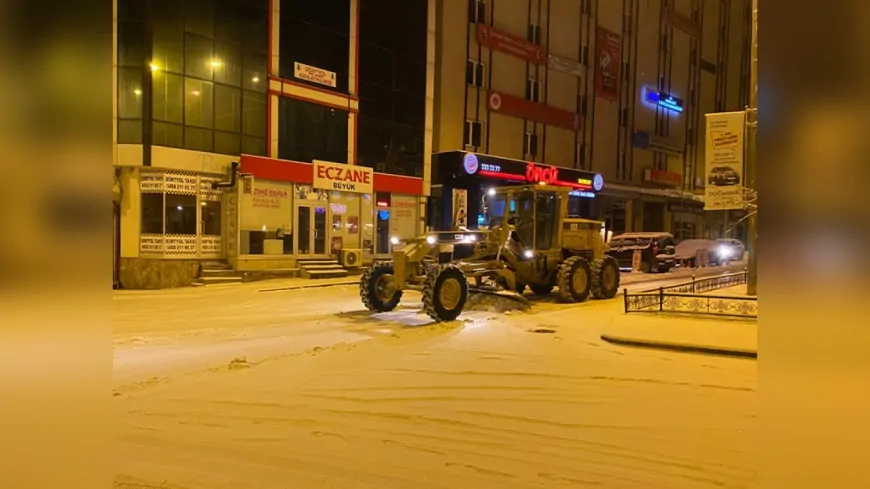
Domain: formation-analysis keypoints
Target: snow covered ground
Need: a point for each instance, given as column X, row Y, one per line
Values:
column 229, row 387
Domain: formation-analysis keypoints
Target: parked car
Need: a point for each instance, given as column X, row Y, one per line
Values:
column 721, row 176
column 657, row 250
column 719, row 251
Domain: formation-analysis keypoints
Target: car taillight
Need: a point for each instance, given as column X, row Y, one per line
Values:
column 655, row 248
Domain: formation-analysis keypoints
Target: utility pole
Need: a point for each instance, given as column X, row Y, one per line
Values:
column 751, row 133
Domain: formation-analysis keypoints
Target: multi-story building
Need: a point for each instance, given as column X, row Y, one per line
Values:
column 606, row 97
column 263, row 132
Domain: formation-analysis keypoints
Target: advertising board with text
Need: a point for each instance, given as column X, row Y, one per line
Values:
column 314, row 74
column 516, row 46
column 268, row 204
column 523, row 109
column 724, row 158
column 608, row 61
column 342, row 177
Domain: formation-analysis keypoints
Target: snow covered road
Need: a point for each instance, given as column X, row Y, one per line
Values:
column 478, row 403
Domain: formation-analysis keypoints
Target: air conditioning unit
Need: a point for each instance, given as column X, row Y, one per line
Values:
column 350, row 258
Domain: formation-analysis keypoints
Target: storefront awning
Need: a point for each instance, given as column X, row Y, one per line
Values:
column 630, row 192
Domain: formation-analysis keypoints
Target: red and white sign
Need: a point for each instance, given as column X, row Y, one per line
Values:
column 608, row 60
column 565, row 65
column 345, row 178
column 499, row 41
column 663, row 177
column 518, row 107
column 536, row 173
column 314, row 74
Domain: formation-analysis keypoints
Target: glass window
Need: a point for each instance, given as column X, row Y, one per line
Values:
column 180, row 214
column 198, row 139
column 309, row 131
column 167, row 97
column 130, row 131
column 226, row 143
column 198, row 103
column 254, row 114
column 253, row 146
column 199, row 17
column 254, row 80
column 227, row 109
column 211, row 218
column 168, row 52
column 199, row 57
column 130, row 93
column 545, row 218
column 131, row 44
column 228, row 64
column 152, row 213
column 166, row 134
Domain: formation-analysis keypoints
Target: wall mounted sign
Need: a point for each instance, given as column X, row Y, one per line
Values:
column 530, row 172
column 314, row 74
column 662, row 177
column 665, row 100
column 681, row 22
column 516, row 46
column 346, row 178
column 523, row 109
column 608, row 60
column 661, row 144
column 565, row 65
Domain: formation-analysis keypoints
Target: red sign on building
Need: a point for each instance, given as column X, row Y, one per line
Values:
column 522, row 108
column 663, row 177
column 493, row 39
column 608, row 61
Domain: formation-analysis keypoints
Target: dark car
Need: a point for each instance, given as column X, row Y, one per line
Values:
column 656, row 251
column 721, row 176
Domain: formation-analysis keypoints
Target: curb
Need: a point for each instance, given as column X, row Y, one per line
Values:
column 683, row 348
column 307, row 286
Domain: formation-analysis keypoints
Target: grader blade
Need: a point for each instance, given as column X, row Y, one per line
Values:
column 493, row 300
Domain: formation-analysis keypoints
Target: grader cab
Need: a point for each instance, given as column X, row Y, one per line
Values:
column 530, row 240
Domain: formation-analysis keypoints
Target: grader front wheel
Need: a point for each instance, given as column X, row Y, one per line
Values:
column 377, row 289
column 445, row 293
column 605, row 278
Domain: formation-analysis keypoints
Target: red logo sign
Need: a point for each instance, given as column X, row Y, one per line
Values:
column 608, row 57
column 518, row 107
column 493, row 39
column 542, row 174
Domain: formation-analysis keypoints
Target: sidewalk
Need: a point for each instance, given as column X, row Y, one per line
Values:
column 712, row 336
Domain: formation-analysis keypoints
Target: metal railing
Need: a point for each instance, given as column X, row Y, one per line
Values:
column 691, row 298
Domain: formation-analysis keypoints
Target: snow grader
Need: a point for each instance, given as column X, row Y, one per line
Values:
column 529, row 240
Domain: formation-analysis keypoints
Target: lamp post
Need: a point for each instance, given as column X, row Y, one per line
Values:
column 751, row 132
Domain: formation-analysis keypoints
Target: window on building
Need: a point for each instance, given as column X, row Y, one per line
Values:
column 535, row 34
column 309, row 131
column 208, row 74
column 474, row 73
column 477, row 11
column 152, row 213
column 530, row 144
column 180, row 214
column 316, row 34
column 473, row 133
column 533, row 90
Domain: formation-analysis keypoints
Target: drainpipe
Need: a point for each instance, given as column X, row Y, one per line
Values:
column 234, row 170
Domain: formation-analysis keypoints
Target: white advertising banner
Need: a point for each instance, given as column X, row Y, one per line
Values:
column 151, row 183
column 724, row 155
column 314, row 74
column 403, row 216
column 565, row 65
column 344, row 178
column 460, row 207
column 268, row 205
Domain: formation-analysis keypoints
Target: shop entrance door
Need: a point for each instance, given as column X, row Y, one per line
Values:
column 311, row 230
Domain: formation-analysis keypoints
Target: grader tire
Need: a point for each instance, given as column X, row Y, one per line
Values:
column 445, row 293
column 605, row 278
column 574, row 279
column 374, row 287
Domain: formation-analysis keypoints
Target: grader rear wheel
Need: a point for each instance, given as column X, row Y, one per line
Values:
column 377, row 289
column 574, row 279
column 445, row 293
column 605, row 278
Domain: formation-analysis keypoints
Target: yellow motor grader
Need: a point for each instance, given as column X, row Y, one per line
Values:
column 529, row 241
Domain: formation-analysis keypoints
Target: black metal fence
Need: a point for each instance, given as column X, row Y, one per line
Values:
column 691, row 298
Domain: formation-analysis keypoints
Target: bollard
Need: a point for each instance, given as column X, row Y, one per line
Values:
column 661, row 298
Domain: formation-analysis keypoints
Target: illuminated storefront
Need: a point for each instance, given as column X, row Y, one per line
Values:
column 463, row 178
column 313, row 210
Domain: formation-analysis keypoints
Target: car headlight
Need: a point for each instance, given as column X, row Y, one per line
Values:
column 529, row 254
column 724, row 251
column 431, row 239
column 394, row 240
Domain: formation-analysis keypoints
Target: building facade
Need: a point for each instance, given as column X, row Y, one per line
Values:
column 589, row 88
column 263, row 132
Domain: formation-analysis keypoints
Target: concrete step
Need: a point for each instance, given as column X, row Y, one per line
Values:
column 331, row 266
column 303, row 263
column 220, row 280
column 325, row 274
column 218, row 272
column 215, row 265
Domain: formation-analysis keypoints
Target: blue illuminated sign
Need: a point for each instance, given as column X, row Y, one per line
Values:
column 665, row 100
